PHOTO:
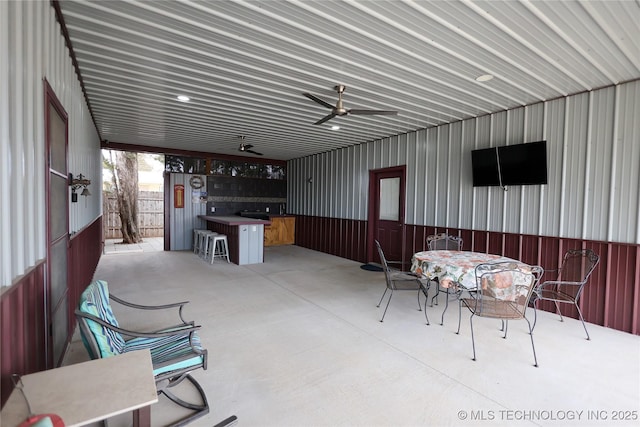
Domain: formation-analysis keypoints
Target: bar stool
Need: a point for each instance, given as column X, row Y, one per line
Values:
column 197, row 239
column 206, row 246
column 220, row 247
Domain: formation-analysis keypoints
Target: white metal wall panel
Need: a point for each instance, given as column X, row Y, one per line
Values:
column 599, row 151
column 418, row 161
column 429, row 197
column 452, row 185
column 576, row 158
column 496, row 194
column 533, row 130
column 513, row 196
column 410, row 160
column 467, row 197
column 5, row 148
column 554, row 125
column 17, row 254
column 184, row 220
column 84, row 158
column 32, row 48
column 362, row 183
column 440, row 200
column 482, row 195
column 593, row 164
column 624, row 203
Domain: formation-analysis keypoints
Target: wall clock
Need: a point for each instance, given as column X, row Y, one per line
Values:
column 196, row 182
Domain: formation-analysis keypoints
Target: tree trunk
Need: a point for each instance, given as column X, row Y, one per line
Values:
column 125, row 180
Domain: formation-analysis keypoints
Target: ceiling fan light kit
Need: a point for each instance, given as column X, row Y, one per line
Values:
column 247, row 148
column 339, row 110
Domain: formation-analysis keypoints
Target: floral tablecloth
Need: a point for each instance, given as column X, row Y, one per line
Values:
column 453, row 268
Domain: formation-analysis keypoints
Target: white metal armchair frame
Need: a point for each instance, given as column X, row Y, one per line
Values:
column 573, row 275
column 503, row 292
column 397, row 280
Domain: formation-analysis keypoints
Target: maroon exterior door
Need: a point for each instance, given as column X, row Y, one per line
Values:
column 386, row 213
column 57, row 185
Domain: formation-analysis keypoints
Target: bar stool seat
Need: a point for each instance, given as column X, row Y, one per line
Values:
column 220, row 247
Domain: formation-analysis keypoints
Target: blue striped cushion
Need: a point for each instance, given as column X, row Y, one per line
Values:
column 95, row 300
column 165, row 349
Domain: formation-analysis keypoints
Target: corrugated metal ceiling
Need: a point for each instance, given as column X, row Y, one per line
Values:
column 246, row 64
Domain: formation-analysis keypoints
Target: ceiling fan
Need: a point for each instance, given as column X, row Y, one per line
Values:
column 339, row 109
column 247, row 148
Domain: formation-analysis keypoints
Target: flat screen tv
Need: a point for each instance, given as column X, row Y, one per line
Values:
column 519, row 164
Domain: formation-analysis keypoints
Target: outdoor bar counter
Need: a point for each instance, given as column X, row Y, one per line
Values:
column 244, row 235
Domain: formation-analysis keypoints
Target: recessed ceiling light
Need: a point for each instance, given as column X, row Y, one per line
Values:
column 484, row 78
column 335, row 127
column 183, row 98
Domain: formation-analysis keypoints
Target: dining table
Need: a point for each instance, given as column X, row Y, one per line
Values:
column 455, row 271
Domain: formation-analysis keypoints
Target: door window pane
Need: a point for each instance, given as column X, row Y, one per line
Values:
column 57, row 141
column 390, row 199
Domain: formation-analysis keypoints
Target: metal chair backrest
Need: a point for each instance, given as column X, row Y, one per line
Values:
column 509, row 283
column 385, row 265
column 577, row 266
column 443, row 241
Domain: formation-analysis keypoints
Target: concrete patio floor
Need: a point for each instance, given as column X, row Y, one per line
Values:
column 296, row 341
column 148, row 244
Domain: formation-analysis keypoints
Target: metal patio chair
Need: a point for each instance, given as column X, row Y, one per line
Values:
column 573, row 275
column 443, row 242
column 176, row 351
column 503, row 292
column 400, row 281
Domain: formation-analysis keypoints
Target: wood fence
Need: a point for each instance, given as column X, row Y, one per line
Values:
column 150, row 215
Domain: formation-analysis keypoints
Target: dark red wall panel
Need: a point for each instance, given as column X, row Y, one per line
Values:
column 480, row 241
column 22, row 307
column 341, row 237
column 529, row 249
column 22, row 332
column 85, row 250
column 512, row 246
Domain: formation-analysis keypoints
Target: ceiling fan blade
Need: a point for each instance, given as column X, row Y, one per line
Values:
column 318, row 100
column 324, row 119
column 247, row 147
column 253, row 152
column 372, row 112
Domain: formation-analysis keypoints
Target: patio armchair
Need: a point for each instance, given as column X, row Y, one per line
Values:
column 503, row 292
column 176, row 350
column 398, row 280
column 572, row 277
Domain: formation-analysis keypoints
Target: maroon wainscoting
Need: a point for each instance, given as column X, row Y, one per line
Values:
column 85, row 250
column 22, row 308
column 611, row 297
column 22, row 331
column 341, row 237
